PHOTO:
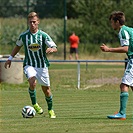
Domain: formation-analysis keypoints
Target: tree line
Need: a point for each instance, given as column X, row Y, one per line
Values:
column 91, row 25
column 45, row 8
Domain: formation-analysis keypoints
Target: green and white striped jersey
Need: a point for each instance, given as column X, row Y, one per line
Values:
column 35, row 46
column 126, row 38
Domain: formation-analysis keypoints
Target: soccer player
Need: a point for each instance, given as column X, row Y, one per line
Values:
column 37, row 44
column 117, row 19
column 74, row 41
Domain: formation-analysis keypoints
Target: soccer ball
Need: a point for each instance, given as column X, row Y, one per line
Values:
column 28, row 112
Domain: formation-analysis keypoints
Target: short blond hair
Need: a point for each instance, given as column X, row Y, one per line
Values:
column 33, row 14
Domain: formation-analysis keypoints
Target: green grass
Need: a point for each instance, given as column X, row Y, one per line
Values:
column 78, row 110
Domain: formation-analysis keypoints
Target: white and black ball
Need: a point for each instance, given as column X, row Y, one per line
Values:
column 28, row 112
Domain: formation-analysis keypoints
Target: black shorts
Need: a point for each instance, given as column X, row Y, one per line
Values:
column 73, row 50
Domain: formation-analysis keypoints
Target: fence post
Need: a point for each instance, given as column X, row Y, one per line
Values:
column 78, row 71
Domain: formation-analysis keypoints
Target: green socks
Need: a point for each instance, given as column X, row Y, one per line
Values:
column 49, row 102
column 32, row 96
column 123, row 102
column 33, row 99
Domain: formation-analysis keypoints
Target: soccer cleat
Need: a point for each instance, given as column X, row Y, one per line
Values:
column 51, row 114
column 117, row 116
column 38, row 109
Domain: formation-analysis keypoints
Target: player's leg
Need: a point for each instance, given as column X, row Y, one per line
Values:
column 49, row 100
column 123, row 103
column 30, row 74
column 76, row 56
column 70, row 57
column 43, row 79
column 71, row 52
column 126, row 82
column 123, row 98
column 76, row 53
column 32, row 92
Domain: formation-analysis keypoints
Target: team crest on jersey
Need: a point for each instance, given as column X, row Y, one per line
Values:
column 34, row 47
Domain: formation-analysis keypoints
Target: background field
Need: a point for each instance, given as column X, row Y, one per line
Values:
column 81, row 110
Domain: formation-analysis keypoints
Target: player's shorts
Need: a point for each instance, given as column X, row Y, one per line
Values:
column 41, row 74
column 73, row 50
column 128, row 75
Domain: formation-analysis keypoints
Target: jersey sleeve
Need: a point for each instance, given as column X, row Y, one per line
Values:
column 49, row 42
column 19, row 41
column 124, row 38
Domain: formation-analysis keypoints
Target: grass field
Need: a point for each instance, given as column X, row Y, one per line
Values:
column 81, row 110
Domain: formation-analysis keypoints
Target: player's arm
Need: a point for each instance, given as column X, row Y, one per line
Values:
column 14, row 52
column 52, row 47
column 122, row 49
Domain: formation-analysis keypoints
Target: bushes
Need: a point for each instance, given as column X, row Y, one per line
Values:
column 10, row 29
column 89, row 41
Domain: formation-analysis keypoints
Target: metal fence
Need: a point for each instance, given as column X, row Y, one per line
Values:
column 78, row 64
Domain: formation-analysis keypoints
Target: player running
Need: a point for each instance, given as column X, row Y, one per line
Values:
column 36, row 44
column 117, row 19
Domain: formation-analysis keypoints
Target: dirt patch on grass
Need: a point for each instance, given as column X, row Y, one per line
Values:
column 113, row 80
column 96, row 83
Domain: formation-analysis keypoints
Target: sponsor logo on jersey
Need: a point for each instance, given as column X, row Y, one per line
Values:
column 34, row 47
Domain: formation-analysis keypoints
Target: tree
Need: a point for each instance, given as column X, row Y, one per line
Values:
column 93, row 18
column 71, row 9
column 49, row 8
column 15, row 8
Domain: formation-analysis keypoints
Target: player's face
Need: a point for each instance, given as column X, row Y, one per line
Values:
column 115, row 25
column 33, row 24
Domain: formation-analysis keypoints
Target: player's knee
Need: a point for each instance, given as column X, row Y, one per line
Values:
column 32, row 85
column 124, row 87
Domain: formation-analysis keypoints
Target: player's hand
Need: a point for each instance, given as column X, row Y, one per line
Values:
column 50, row 50
column 7, row 64
column 104, row 48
